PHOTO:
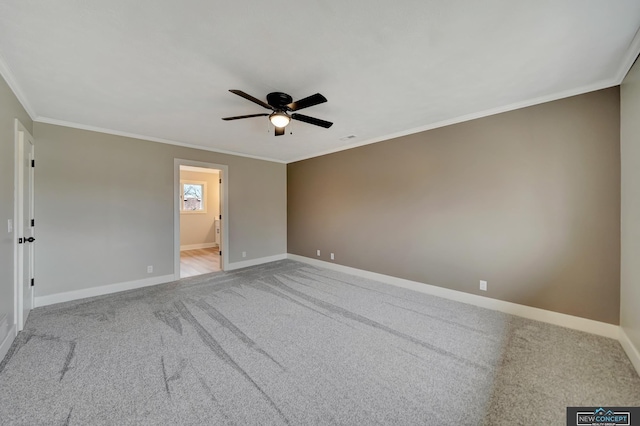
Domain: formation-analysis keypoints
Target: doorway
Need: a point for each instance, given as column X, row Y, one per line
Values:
column 200, row 228
column 24, row 221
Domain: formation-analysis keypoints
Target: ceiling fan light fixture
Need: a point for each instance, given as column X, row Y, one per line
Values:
column 279, row 119
column 280, row 104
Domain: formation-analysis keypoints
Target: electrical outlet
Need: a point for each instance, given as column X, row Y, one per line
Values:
column 483, row 285
column 318, row 252
column 332, row 257
column 244, row 254
column 149, row 269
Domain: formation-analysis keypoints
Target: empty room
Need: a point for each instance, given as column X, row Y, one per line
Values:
column 324, row 213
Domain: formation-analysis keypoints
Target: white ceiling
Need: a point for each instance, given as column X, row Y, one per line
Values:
column 161, row 69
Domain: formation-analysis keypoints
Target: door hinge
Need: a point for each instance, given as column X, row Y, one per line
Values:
column 19, row 240
column 33, row 281
column 220, row 216
column 33, row 163
column 220, row 180
column 220, row 253
column 33, row 222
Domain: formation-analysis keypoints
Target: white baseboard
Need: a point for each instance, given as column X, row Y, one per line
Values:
column 8, row 340
column 632, row 352
column 101, row 290
column 131, row 285
column 198, row 246
column 556, row 318
column 254, row 262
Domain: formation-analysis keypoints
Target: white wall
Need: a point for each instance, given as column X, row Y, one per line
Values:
column 630, row 214
column 10, row 109
column 104, row 206
column 198, row 229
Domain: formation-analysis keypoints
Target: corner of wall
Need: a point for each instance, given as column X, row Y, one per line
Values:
column 632, row 352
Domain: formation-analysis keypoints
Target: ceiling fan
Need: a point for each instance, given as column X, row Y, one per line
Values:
column 281, row 103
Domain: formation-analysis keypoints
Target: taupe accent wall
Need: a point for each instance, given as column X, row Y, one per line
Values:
column 10, row 109
column 630, row 150
column 528, row 200
column 104, row 207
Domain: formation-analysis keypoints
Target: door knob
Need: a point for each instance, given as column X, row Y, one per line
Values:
column 29, row 240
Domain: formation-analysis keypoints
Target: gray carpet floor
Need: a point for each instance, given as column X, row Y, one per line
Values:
column 288, row 343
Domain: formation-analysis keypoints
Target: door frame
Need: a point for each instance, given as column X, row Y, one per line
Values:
column 18, row 191
column 224, row 210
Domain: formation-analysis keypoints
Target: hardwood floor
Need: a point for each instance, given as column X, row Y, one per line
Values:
column 199, row 261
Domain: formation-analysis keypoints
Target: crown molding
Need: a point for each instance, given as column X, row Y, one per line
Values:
column 603, row 84
column 629, row 58
column 627, row 62
column 9, row 77
column 47, row 120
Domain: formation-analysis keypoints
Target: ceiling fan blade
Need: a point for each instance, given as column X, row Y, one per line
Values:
column 279, row 131
column 311, row 120
column 251, row 98
column 307, row 102
column 238, row 117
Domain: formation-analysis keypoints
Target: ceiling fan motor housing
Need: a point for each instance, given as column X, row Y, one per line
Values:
column 281, row 104
column 279, row 100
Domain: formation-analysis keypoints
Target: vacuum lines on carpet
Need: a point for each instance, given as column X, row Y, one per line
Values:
column 288, row 343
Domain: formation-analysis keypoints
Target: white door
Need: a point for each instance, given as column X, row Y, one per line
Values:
column 25, row 226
